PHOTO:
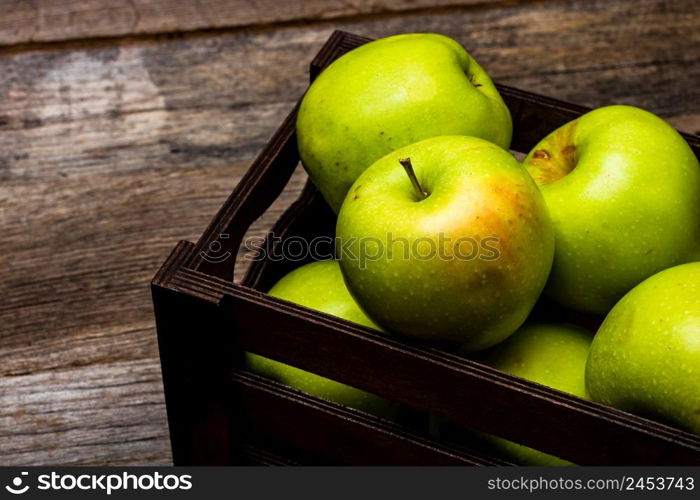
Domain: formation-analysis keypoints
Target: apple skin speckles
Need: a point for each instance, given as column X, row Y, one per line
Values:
column 478, row 193
column 623, row 191
column 390, row 93
column 645, row 357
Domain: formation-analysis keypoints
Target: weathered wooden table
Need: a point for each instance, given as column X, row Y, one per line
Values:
column 124, row 124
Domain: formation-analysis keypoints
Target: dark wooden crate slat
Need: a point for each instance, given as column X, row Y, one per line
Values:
column 447, row 385
column 346, row 435
column 269, row 173
column 254, row 455
column 195, row 362
column 278, row 453
column 263, row 273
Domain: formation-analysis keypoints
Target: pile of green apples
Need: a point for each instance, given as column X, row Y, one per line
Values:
column 443, row 235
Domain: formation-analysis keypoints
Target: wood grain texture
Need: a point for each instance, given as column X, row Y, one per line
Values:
column 110, row 152
column 52, row 20
column 103, row 414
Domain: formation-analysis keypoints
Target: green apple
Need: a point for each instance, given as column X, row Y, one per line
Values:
column 457, row 251
column 549, row 354
column 320, row 286
column 623, row 190
column 390, row 93
column 645, row 357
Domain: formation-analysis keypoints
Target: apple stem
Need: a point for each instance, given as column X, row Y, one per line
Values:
column 408, row 167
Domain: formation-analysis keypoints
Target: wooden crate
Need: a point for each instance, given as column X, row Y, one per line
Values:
column 220, row 414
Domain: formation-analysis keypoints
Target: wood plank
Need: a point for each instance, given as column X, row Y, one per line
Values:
column 110, row 414
column 89, row 302
column 53, row 20
column 111, row 152
column 347, row 436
